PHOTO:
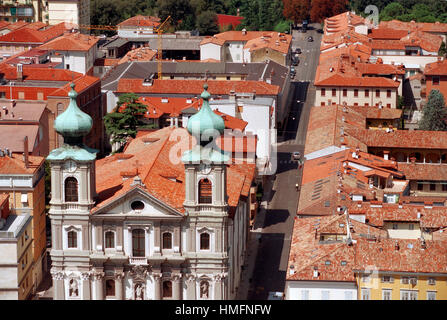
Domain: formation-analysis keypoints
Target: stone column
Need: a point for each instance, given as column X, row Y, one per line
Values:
column 177, row 287
column 157, row 285
column 99, row 237
column 119, row 238
column 119, row 292
column 85, row 277
column 219, row 281
column 58, row 284
column 99, row 278
column 157, row 246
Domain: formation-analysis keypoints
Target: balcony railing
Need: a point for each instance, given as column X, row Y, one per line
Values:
column 137, row 261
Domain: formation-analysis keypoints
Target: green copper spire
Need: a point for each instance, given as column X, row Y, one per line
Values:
column 205, row 124
column 73, row 123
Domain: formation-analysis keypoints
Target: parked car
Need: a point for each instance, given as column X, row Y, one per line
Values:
column 295, row 60
column 298, row 50
column 296, row 155
column 310, row 39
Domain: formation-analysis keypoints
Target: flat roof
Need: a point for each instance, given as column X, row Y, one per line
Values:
column 14, row 226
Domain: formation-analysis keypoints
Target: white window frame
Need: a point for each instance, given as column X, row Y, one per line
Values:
column 78, row 230
column 367, row 291
column 172, row 241
column 211, row 232
column 431, row 281
column 114, row 239
column 305, row 294
column 431, row 292
column 410, row 293
column 388, row 291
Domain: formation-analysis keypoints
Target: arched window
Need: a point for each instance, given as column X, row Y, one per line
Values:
column 110, row 239
column 205, row 191
column 110, row 288
column 167, row 240
column 204, row 241
column 138, row 243
column 71, row 190
column 167, row 289
column 72, row 239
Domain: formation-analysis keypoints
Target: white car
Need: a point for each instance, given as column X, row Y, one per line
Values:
column 275, row 295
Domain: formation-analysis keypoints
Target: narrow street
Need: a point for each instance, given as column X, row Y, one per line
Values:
column 270, row 240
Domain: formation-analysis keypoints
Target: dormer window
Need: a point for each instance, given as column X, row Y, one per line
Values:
column 71, row 189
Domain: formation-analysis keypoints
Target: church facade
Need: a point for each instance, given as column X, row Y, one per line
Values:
column 135, row 226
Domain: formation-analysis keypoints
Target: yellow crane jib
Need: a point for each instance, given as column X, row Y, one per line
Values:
column 159, row 31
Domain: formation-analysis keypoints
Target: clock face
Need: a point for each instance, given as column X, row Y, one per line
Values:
column 70, row 166
column 205, row 168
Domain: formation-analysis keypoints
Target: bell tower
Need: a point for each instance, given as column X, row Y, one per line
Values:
column 73, row 190
column 205, row 164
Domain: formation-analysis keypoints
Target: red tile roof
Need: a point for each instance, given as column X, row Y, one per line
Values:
column 276, row 41
column 30, row 35
column 387, row 34
column 195, row 87
column 42, row 74
column 81, row 83
column 436, row 68
column 140, row 21
column 421, row 171
column 16, row 165
column 337, row 80
column 71, row 42
column 163, row 178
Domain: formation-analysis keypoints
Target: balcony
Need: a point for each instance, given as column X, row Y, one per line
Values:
column 138, row 261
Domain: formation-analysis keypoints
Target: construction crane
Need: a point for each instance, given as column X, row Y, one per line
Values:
column 159, row 30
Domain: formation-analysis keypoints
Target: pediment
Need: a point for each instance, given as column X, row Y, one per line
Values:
column 138, row 203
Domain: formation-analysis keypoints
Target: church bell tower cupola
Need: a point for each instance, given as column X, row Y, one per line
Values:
column 72, row 165
column 205, row 164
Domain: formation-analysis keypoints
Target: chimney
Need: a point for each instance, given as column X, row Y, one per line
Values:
column 232, row 96
column 19, row 72
column 25, row 152
column 244, row 31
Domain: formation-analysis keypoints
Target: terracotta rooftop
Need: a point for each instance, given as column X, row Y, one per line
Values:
column 163, row 178
column 342, row 22
column 139, row 54
column 81, row 83
column 276, row 41
column 16, row 165
column 338, row 80
column 195, row 87
column 435, row 27
column 140, row 21
column 436, row 68
column 71, row 42
column 387, row 34
column 421, row 171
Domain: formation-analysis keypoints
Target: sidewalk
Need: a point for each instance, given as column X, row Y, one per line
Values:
column 244, row 288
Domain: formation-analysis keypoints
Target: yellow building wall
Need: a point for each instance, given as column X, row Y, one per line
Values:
column 263, row 54
column 422, row 287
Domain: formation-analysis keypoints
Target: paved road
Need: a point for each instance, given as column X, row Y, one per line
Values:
column 274, row 225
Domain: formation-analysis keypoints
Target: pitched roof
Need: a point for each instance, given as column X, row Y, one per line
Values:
column 163, row 178
column 42, row 74
column 436, row 68
column 140, row 21
column 218, row 87
column 16, row 165
column 387, row 34
column 31, row 35
column 275, row 41
column 71, row 42
column 342, row 21
column 81, row 83
column 421, row 171
column 337, row 80
column 241, row 36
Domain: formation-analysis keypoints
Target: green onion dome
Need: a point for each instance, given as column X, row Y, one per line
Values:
column 73, row 123
column 205, row 122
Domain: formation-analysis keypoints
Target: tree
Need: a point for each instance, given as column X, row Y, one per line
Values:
column 296, row 10
column 392, row 11
column 122, row 124
column 442, row 50
column 322, row 9
column 434, row 113
column 207, row 23
column 177, row 9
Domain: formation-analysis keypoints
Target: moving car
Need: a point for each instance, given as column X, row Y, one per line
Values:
column 310, row 39
column 298, row 50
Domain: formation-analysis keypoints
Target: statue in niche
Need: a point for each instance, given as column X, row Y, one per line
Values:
column 204, row 289
column 139, row 294
column 73, row 288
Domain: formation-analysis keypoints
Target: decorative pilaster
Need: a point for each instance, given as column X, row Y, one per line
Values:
column 190, row 282
column 119, row 292
column 99, row 286
column 219, row 284
column 85, row 277
column 157, row 285
column 177, row 287
column 58, row 284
